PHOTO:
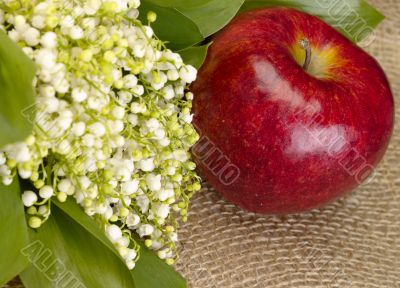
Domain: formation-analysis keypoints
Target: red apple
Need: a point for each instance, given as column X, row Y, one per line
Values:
column 292, row 114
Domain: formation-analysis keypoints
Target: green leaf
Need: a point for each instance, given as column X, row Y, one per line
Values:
column 149, row 263
column 209, row 15
column 16, row 91
column 195, row 56
column 152, row 272
column 171, row 26
column 64, row 254
column 73, row 210
column 13, row 231
column 356, row 19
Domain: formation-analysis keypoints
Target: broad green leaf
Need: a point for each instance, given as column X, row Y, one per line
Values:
column 13, row 231
column 73, row 210
column 195, row 56
column 64, row 254
column 171, row 26
column 150, row 271
column 356, row 19
column 16, row 91
column 209, row 15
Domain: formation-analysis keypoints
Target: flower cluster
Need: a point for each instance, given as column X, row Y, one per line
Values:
column 112, row 122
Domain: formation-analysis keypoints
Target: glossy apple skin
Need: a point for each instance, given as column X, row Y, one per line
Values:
column 297, row 141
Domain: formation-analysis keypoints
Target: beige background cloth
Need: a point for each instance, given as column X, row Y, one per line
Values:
column 354, row 242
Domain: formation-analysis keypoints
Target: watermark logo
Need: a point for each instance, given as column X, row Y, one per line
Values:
column 323, row 264
column 349, row 20
column 52, row 268
column 216, row 161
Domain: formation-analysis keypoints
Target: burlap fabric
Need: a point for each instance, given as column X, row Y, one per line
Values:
column 354, row 242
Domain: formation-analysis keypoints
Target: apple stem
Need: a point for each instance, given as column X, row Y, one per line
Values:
column 305, row 44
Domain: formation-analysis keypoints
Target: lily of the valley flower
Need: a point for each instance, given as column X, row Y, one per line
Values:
column 112, row 128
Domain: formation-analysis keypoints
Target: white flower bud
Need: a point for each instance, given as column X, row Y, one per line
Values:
column 88, row 140
column 159, row 133
column 45, row 58
column 124, row 97
column 189, row 96
column 181, row 155
column 109, row 213
column 24, row 174
column 51, row 104
column 118, row 112
column 132, row 220
column 64, row 186
column 29, row 198
column 145, row 230
column 127, row 200
column 64, row 122
column 147, row 165
column 22, row 154
column 138, row 108
column 32, row 36
column 188, row 73
column 149, row 32
column 164, row 142
column 143, row 202
column 97, row 129
column 180, row 90
column 14, row 35
column 164, row 194
column 7, row 180
column 131, row 255
column 116, row 126
column 171, row 170
column 153, row 182
column 79, row 95
column 133, row 119
column 38, row 21
column 101, row 208
column 130, row 81
column 49, row 40
column 187, row 118
column 67, row 22
column 78, row 129
column 131, row 265
column 20, row 23
column 113, row 232
column 162, row 211
column 84, row 182
column 152, row 124
column 169, row 92
column 162, row 254
column 138, row 90
column 123, row 241
column 174, row 237
column 46, row 192
column 4, row 170
column 43, row 210
column 139, row 50
column 91, row 6
column 130, row 187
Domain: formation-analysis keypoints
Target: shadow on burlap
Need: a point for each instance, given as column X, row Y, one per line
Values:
column 354, row 242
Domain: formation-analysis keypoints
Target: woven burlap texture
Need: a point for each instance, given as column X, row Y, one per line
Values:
column 354, row 242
